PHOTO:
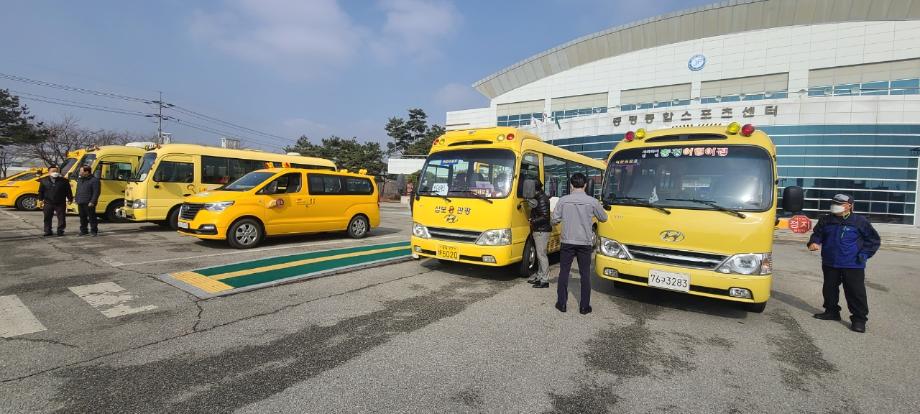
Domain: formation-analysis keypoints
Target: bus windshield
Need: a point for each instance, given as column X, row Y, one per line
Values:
column 248, row 181
column 146, row 164
column 691, row 177
column 474, row 173
column 65, row 167
column 87, row 160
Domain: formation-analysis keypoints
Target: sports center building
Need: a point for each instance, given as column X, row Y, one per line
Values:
column 836, row 83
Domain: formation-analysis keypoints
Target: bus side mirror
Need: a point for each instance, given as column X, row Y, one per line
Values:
column 793, row 199
column 529, row 189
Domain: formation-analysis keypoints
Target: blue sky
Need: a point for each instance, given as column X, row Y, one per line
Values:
column 287, row 67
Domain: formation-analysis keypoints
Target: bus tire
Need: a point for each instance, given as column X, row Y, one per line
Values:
column 358, row 227
column 173, row 218
column 27, row 202
column 529, row 264
column 110, row 211
column 245, row 233
column 755, row 307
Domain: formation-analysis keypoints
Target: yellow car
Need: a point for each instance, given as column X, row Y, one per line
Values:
column 282, row 201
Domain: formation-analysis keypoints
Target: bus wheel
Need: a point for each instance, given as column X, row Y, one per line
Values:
column 529, row 264
column 27, row 202
column 357, row 227
column 755, row 307
column 173, row 218
column 110, row 214
column 244, row 234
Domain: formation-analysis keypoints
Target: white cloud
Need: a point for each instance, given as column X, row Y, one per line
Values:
column 299, row 38
column 413, row 28
column 454, row 96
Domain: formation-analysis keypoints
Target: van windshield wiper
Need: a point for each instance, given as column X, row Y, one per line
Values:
column 431, row 193
column 641, row 202
column 712, row 204
column 475, row 195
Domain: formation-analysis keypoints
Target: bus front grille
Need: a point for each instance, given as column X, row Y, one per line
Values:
column 188, row 211
column 453, row 234
column 671, row 257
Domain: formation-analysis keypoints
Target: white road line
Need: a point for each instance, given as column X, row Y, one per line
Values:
column 113, row 262
column 16, row 319
column 109, row 299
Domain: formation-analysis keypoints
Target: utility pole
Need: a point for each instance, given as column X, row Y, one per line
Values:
column 160, row 119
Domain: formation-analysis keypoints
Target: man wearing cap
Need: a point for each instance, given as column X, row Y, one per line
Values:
column 846, row 241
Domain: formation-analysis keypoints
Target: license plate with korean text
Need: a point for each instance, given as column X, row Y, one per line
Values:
column 669, row 280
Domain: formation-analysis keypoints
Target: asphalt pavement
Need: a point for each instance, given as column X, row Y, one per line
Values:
column 88, row 327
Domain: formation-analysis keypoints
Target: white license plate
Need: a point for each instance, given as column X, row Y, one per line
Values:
column 669, row 280
column 183, row 225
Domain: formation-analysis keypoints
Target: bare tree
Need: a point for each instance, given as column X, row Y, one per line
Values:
column 67, row 135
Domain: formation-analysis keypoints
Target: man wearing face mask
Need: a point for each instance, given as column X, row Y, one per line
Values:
column 846, row 241
column 54, row 193
column 87, row 197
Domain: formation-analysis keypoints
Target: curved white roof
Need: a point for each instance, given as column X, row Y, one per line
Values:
column 716, row 19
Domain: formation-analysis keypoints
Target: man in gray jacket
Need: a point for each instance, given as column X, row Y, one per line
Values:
column 86, row 198
column 576, row 212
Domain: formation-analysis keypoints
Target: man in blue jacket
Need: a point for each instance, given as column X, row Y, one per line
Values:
column 846, row 241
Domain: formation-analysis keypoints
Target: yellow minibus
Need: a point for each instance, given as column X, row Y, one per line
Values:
column 692, row 210
column 172, row 172
column 114, row 165
column 470, row 205
column 283, row 201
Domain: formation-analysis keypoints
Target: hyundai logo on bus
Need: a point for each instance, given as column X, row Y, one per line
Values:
column 671, row 236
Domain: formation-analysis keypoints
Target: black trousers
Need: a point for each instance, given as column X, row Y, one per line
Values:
column 88, row 215
column 854, row 289
column 569, row 253
column 51, row 210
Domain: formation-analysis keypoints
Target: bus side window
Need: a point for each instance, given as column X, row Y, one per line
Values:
column 557, row 180
column 175, row 172
column 530, row 170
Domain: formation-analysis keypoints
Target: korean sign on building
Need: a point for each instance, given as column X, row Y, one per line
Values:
column 698, row 114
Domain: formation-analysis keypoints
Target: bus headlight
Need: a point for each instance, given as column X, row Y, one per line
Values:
column 139, row 203
column 419, row 230
column 748, row 264
column 217, row 207
column 613, row 248
column 500, row 237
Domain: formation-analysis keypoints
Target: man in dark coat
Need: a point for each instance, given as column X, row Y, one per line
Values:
column 540, row 229
column 86, row 198
column 54, row 192
column 846, row 241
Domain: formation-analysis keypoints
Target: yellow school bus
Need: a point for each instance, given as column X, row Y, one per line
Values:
column 23, row 194
column 470, row 204
column 283, row 201
column 172, row 172
column 692, row 209
column 114, row 165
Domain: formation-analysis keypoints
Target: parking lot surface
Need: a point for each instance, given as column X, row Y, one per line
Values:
column 88, row 326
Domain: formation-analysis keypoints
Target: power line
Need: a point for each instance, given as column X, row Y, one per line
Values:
column 229, row 124
column 160, row 106
column 72, row 88
column 86, row 106
column 215, row 131
column 27, row 95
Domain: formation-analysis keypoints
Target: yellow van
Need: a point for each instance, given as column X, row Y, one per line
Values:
column 23, row 194
column 23, row 175
column 275, row 201
column 114, row 165
column 692, row 210
column 172, row 172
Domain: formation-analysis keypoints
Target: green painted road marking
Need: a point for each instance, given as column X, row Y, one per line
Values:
column 222, row 280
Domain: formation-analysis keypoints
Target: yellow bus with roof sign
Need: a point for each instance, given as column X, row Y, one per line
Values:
column 172, row 172
column 114, row 165
column 692, row 210
column 470, row 205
